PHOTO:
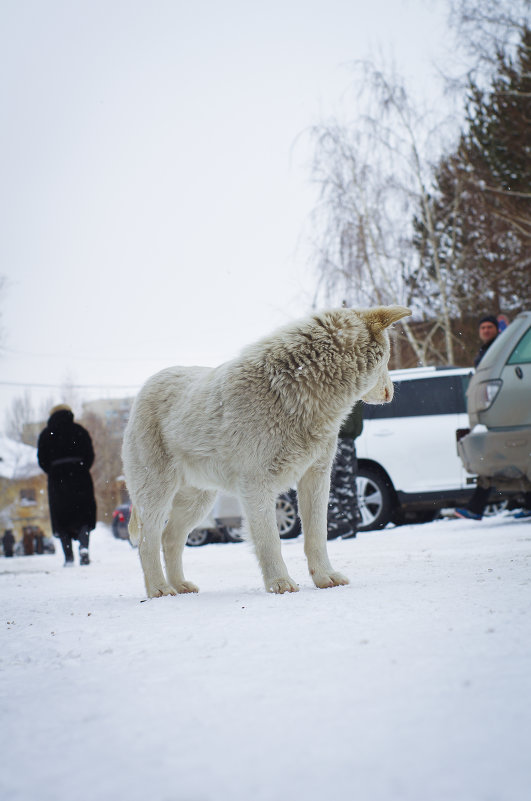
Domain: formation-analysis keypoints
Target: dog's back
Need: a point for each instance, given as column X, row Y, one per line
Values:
column 267, row 411
column 162, row 426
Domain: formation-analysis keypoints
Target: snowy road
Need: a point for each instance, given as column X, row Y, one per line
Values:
column 412, row 683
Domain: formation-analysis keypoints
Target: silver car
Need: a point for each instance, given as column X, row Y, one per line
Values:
column 224, row 522
column 499, row 407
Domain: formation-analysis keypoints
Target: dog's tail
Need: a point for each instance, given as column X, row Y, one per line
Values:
column 134, row 527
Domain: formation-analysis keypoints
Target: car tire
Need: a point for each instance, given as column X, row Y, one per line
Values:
column 288, row 523
column 232, row 534
column 198, row 537
column 375, row 498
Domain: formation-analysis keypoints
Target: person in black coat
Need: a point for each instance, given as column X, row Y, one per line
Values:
column 8, row 541
column 344, row 515
column 65, row 453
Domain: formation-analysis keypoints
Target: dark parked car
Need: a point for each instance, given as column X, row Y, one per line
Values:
column 224, row 522
column 120, row 521
column 288, row 523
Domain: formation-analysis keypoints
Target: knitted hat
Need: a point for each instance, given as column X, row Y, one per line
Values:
column 61, row 407
column 490, row 318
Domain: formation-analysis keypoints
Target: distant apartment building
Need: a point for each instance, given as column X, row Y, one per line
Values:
column 113, row 412
column 23, row 490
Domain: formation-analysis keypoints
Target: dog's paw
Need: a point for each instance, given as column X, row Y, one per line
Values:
column 186, row 586
column 282, row 585
column 330, row 580
column 159, row 591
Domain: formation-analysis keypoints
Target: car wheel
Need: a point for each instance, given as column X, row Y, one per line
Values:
column 288, row 523
column 233, row 534
column 197, row 537
column 375, row 499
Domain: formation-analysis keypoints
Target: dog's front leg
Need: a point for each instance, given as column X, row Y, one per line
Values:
column 312, row 491
column 259, row 510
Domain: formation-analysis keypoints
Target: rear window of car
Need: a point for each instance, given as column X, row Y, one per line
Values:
column 522, row 353
column 422, row 397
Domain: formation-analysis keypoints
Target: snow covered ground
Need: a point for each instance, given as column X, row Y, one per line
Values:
column 414, row 682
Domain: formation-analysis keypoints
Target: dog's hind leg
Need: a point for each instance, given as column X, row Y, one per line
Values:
column 312, row 493
column 189, row 508
column 152, row 526
column 259, row 510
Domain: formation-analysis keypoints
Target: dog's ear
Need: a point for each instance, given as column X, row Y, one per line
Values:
column 381, row 317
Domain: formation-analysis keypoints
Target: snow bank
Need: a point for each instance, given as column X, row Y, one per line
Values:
column 411, row 683
column 17, row 460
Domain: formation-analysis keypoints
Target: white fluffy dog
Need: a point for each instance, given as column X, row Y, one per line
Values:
column 252, row 427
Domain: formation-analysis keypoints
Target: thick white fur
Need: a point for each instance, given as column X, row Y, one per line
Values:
column 252, row 427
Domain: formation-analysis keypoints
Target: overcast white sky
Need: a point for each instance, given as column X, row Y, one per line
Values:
column 153, row 198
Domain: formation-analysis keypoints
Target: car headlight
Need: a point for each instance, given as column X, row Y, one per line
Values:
column 486, row 394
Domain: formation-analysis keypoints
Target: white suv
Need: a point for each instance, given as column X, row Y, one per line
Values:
column 408, row 466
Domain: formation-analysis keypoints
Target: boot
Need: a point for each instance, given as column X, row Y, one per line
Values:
column 66, row 542
column 350, row 535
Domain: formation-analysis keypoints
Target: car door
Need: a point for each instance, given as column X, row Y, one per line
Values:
column 413, row 437
column 513, row 405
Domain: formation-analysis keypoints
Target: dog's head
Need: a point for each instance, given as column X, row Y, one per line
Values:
column 377, row 320
column 319, row 366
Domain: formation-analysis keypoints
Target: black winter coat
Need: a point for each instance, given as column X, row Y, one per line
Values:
column 353, row 425
column 66, row 454
column 482, row 351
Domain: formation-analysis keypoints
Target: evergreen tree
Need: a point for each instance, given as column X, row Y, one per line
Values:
column 481, row 204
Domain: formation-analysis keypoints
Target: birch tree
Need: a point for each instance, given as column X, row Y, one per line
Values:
column 374, row 174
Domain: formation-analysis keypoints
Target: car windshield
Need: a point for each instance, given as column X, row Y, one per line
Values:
column 522, row 353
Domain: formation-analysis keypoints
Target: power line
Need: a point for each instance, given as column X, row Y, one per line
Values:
column 118, row 359
column 66, row 384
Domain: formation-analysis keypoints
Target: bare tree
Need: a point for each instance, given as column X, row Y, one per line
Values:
column 484, row 29
column 3, row 283
column 23, row 421
column 107, row 464
column 392, row 187
column 373, row 175
column 19, row 413
column 70, row 393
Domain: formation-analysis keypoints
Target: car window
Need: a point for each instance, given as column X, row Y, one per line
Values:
column 423, row 396
column 465, row 381
column 522, row 353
